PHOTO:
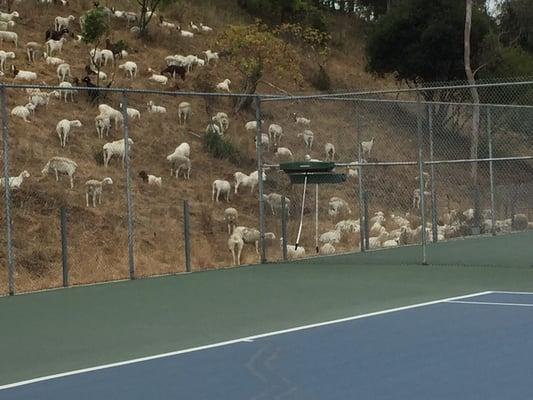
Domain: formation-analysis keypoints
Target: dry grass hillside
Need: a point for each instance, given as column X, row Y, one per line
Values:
column 97, row 237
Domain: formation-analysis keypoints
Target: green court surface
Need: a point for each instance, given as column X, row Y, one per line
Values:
column 52, row 332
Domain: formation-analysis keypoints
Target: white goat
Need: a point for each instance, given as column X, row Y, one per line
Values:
column 94, row 190
column 177, row 157
column 338, row 206
column 63, row 71
column 184, row 112
column 23, row 111
column 113, row 114
column 63, row 22
column 15, row 182
column 329, row 148
column 61, row 165
column 284, row 153
column 67, row 90
column 231, row 217
column 235, row 245
column 63, row 128
column 367, row 147
column 130, row 69
column 102, row 124
column 161, row 79
column 54, row 45
column 211, row 56
column 301, row 120
column 4, row 55
column 308, row 137
column 221, row 187
column 153, row 109
column 21, row 75
column 116, row 148
column 52, row 60
column 274, row 201
column 275, row 132
column 224, row 85
column 8, row 36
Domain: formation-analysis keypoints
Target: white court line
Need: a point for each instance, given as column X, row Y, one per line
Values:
column 504, row 292
column 490, row 303
column 230, row 342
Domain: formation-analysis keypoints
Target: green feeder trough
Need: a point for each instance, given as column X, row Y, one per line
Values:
column 316, row 172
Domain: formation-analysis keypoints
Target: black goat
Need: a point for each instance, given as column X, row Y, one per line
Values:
column 116, row 48
column 55, row 35
column 143, row 175
column 93, row 93
column 174, row 70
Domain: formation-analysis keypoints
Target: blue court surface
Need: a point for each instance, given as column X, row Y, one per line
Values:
column 478, row 346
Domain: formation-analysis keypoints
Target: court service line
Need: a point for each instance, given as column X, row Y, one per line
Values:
column 490, row 303
column 240, row 340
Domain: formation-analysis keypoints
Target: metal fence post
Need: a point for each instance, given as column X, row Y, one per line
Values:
column 421, row 175
column 64, row 248
column 491, row 172
column 284, row 228
column 365, row 225
column 7, row 195
column 432, row 177
column 358, row 127
column 129, row 203
column 186, row 237
column 258, row 150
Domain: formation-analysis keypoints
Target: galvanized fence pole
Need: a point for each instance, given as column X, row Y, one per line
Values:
column 7, row 196
column 186, row 236
column 129, row 202
column 366, row 219
column 284, row 228
column 491, row 172
column 432, row 177
column 421, row 175
column 259, row 155
column 358, row 129
column 64, row 247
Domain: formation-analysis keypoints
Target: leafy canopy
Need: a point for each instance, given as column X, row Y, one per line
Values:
column 254, row 48
column 94, row 26
column 422, row 40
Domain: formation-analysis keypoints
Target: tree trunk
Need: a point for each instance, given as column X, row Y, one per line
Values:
column 250, row 86
column 475, row 108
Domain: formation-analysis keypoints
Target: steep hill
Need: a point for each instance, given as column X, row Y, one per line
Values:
column 97, row 237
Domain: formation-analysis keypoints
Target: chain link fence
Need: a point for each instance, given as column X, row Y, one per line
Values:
column 407, row 156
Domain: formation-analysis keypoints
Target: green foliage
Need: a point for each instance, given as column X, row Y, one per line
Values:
column 95, row 26
column 220, row 148
column 422, row 40
column 516, row 23
column 254, row 48
column 279, row 11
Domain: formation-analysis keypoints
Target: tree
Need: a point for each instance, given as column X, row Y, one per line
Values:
column 516, row 23
column 148, row 8
column 474, row 144
column 94, row 28
column 422, row 40
column 253, row 50
column 275, row 12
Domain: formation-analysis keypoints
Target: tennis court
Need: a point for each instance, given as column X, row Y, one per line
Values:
column 351, row 326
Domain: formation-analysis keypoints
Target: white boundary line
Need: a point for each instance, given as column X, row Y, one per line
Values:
column 504, row 292
column 230, row 342
column 490, row 303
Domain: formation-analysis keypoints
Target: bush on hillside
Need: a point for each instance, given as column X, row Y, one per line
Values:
column 220, row 148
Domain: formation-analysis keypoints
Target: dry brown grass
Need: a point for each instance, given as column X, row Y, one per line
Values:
column 98, row 236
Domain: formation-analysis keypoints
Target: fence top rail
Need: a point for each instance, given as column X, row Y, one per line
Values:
column 273, row 97
column 403, row 90
column 400, row 163
column 414, row 102
column 134, row 91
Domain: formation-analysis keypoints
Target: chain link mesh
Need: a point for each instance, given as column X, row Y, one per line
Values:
column 375, row 138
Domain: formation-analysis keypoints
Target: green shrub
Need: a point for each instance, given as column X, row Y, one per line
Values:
column 220, row 148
